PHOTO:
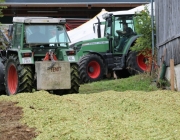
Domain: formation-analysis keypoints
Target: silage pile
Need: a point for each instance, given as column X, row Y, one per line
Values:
column 107, row 115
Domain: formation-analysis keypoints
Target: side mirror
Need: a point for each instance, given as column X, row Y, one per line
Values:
column 94, row 27
column 107, row 35
column 109, row 22
column 10, row 30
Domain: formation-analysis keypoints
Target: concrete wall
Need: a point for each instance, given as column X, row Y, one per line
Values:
column 177, row 76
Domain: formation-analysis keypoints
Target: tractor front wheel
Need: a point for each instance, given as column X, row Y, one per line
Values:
column 18, row 78
column 136, row 63
column 91, row 68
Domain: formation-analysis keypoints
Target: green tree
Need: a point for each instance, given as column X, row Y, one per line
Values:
column 1, row 8
column 143, row 44
column 1, row 34
column 144, row 28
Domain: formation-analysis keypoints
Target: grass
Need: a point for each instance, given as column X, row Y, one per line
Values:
column 107, row 110
column 141, row 82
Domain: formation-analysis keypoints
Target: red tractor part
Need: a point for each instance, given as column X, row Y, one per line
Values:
column 93, row 69
column 12, row 79
column 48, row 57
column 137, row 63
column 144, row 62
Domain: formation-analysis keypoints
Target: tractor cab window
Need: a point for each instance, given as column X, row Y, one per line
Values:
column 17, row 30
column 108, row 28
column 58, row 36
column 121, row 21
column 124, row 30
column 54, row 35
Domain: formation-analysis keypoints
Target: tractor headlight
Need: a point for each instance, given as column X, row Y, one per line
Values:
column 76, row 47
column 72, row 52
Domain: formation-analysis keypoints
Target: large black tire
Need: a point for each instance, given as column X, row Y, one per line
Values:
column 2, row 87
column 136, row 63
column 75, row 82
column 91, row 68
column 18, row 78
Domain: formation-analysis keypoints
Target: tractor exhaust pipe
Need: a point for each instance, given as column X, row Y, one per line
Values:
column 98, row 28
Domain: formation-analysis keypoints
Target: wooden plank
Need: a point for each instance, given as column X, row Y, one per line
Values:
column 172, row 73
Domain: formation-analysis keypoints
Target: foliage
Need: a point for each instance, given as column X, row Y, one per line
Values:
column 1, row 15
column 1, row 8
column 142, row 82
column 144, row 28
column 163, row 83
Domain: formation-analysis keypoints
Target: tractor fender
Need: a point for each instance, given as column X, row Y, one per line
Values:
column 19, row 54
column 92, row 52
column 132, row 40
column 11, row 51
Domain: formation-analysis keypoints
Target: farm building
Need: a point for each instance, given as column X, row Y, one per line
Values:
column 168, row 38
column 76, row 12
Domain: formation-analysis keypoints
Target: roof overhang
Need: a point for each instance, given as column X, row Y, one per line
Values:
column 75, row 4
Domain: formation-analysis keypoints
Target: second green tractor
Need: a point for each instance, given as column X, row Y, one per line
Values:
column 112, row 53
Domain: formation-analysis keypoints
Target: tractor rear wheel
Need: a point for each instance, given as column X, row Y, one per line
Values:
column 74, row 82
column 91, row 68
column 18, row 78
column 136, row 63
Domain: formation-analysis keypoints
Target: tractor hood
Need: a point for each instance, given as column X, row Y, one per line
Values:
column 98, row 45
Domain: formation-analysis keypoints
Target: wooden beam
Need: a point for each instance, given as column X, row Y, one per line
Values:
column 172, row 73
column 130, row 5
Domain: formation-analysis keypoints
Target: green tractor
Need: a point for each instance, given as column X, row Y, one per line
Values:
column 39, row 57
column 111, row 53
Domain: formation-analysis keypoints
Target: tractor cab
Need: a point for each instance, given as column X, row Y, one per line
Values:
column 110, row 53
column 36, row 32
column 119, row 29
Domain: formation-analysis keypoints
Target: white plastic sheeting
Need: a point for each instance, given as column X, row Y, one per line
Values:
column 85, row 31
column 132, row 11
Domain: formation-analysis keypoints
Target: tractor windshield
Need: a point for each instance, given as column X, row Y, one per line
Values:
column 122, row 21
column 54, row 35
column 123, row 31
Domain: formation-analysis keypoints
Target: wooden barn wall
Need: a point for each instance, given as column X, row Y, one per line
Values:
column 167, row 16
